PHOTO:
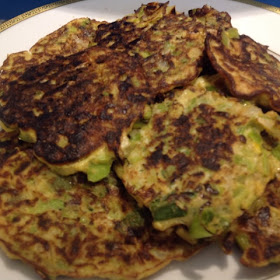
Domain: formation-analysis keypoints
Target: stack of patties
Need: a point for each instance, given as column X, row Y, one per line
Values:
column 69, row 226
column 137, row 146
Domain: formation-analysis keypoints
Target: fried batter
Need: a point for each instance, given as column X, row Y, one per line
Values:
column 128, row 30
column 168, row 44
column 212, row 19
column 71, row 38
column 171, row 52
column 257, row 229
column 249, row 70
column 68, row 226
column 200, row 160
column 75, row 109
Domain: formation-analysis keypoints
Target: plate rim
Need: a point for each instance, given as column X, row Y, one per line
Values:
column 28, row 14
column 13, row 21
column 41, row 9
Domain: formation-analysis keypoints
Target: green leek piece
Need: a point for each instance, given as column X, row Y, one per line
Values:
column 243, row 241
column 255, row 136
column 98, row 171
column 197, row 231
column 134, row 220
column 276, row 151
column 167, row 211
column 231, row 33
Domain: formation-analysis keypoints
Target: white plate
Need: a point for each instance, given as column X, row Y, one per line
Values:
column 261, row 24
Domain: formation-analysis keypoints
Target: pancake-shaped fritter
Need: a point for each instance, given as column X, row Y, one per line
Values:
column 200, row 160
column 71, row 38
column 75, row 109
column 249, row 70
column 212, row 19
column 257, row 231
column 122, row 32
column 169, row 45
column 68, row 226
column 171, row 52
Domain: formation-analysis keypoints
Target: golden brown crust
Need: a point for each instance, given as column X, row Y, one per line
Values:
column 250, row 71
column 71, row 38
column 128, row 30
column 212, row 19
column 169, row 45
column 197, row 158
column 77, row 103
column 257, row 230
column 171, row 52
column 68, row 226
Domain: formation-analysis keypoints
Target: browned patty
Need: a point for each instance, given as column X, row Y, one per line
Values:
column 127, row 30
column 168, row 44
column 71, row 227
column 212, row 19
column 200, row 160
column 75, row 104
column 257, row 230
column 249, row 70
column 71, row 38
column 171, row 52
column 71, row 107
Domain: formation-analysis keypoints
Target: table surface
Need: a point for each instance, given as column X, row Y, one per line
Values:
column 12, row 8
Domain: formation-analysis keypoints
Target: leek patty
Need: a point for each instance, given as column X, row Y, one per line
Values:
column 200, row 160
column 248, row 68
column 71, row 38
column 75, row 108
column 168, row 44
column 257, row 230
column 68, row 226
